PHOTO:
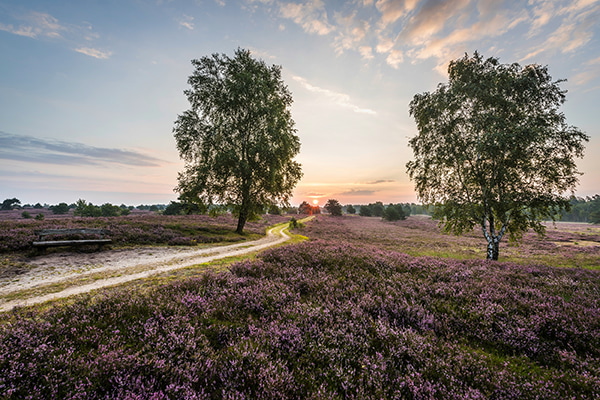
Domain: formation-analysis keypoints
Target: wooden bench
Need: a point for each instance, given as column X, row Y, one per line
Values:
column 42, row 243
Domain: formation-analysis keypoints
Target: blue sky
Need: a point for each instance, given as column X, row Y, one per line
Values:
column 89, row 90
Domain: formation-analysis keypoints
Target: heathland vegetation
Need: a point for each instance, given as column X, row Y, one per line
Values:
column 365, row 309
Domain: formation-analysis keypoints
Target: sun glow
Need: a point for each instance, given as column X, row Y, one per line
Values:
column 315, row 202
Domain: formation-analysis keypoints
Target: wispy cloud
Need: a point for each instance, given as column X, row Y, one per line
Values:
column 377, row 182
column 187, row 22
column 48, row 151
column 35, row 25
column 38, row 25
column 88, row 51
column 339, row 99
column 358, row 192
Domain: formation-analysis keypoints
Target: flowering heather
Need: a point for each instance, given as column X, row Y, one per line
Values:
column 319, row 320
column 566, row 244
column 136, row 230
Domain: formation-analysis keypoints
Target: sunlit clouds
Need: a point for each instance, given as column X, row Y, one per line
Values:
column 413, row 29
column 339, row 99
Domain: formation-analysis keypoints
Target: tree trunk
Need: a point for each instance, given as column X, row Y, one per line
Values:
column 493, row 248
column 241, row 221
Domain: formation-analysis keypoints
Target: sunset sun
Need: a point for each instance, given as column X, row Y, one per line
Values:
column 315, row 202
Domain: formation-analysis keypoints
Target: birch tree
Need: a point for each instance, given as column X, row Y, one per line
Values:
column 494, row 150
column 238, row 138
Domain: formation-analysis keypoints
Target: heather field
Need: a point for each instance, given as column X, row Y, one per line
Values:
column 567, row 244
column 145, row 229
column 364, row 310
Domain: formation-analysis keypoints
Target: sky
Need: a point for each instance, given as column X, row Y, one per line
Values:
column 90, row 90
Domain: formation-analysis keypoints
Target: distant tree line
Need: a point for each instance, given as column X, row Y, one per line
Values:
column 390, row 212
column 582, row 210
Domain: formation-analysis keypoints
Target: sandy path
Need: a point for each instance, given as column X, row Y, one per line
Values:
column 60, row 267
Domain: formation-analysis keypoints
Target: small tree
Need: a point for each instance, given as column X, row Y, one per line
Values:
column 394, row 212
column 493, row 150
column 238, row 139
column 350, row 209
column 365, row 211
column 333, row 207
column 304, row 208
column 9, row 204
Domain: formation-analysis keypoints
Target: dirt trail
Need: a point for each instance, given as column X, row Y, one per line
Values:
column 152, row 260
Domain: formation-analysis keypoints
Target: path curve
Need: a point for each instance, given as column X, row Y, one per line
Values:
column 275, row 235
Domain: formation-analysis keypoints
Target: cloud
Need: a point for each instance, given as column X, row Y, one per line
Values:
column 431, row 18
column 187, row 22
column 38, row 25
column 311, row 16
column 315, row 195
column 392, row 10
column 88, row 51
column 380, row 181
column 351, row 33
column 48, row 151
column 339, row 99
column 27, row 31
column 358, row 192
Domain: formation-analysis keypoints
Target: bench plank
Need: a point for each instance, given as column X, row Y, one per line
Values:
column 51, row 243
column 42, row 244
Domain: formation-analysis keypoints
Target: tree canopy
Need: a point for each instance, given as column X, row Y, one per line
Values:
column 493, row 150
column 333, row 207
column 238, row 138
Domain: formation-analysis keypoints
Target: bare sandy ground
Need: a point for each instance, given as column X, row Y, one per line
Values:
column 130, row 264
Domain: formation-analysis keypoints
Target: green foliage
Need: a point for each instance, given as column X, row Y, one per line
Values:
column 394, row 212
column 238, row 137
column 60, row 208
column 274, row 210
column 493, row 149
column 9, row 204
column 294, row 224
column 85, row 209
column 40, row 217
column 350, row 209
column 26, row 215
column 365, row 211
column 184, row 208
column 333, row 207
column 582, row 210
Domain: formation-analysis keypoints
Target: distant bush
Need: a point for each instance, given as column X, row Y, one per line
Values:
column 26, row 215
column 60, row 208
